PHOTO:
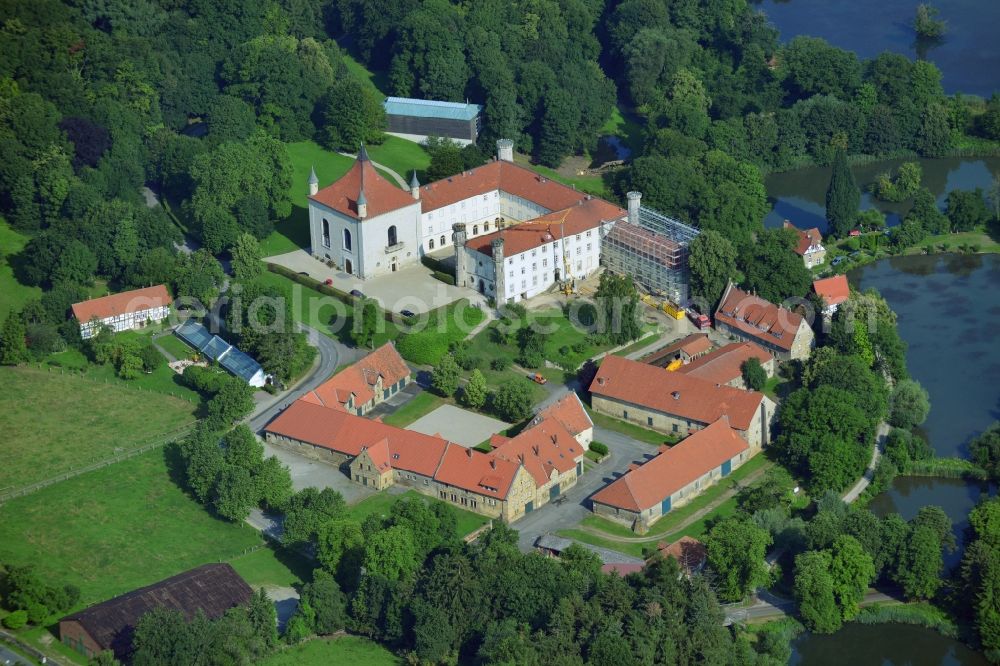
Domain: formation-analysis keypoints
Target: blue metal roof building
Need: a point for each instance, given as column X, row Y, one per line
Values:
column 217, row 349
column 416, row 119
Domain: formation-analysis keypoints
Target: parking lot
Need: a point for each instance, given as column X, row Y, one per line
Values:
column 458, row 425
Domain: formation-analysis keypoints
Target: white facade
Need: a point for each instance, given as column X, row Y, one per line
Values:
column 124, row 322
column 363, row 247
column 479, row 213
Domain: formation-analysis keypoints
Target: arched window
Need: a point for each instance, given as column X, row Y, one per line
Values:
column 486, row 226
column 475, row 230
column 430, row 244
column 326, row 233
column 347, row 239
column 444, row 241
column 392, row 235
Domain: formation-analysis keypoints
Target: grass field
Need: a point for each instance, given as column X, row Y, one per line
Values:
column 82, row 422
column 380, row 504
column 273, row 566
column 342, row 650
column 954, row 242
column 422, row 404
column 379, row 81
column 13, row 294
column 402, row 156
column 116, row 529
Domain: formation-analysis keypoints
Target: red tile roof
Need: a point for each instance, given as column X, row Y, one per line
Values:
column 758, row 318
column 569, row 411
column 498, row 175
column 692, row 345
column 649, row 484
column 724, row 364
column 833, row 290
column 126, row 302
column 361, row 378
column 381, row 195
column 807, row 237
column 586, row 214
column 674, row 393
column 480, row 473
column 348, row 434
column 542, row 448
column 688, row 551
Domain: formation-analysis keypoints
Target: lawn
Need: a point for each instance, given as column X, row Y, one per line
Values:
column 422, row 404
column 13, row 294
column 402, row 156
column 438, row 330
column 118, row 528
column 381, row 502
column 641, row 343
column 273, row 565
column 83, row 421
column 175, row 346
column 954, row 242
column 342, row 650
column 379, row 81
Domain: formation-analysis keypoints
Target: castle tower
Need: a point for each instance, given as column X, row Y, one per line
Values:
column 362, row 205
column 313, row 182
column 415, row 185
column 498, row 273
column 505, row 150
column 634, row 200
column 458, row 237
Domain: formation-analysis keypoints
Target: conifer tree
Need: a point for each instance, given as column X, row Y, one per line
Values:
column 842, row 197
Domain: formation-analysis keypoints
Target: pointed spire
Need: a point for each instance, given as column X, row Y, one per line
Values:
column 362, row 199
column 313, row 180
column 413, row 181
column 363, row 154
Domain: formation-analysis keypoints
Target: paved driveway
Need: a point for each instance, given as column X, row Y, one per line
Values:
column 622, row 451
column 412, row 287
column 458, row 425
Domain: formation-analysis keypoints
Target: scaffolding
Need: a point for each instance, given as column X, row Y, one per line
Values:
column 653, row 252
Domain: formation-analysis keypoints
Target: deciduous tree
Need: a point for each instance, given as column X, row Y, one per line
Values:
column 736, row 550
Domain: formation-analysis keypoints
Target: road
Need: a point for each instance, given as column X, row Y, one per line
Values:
column 866, row 478
column 768, row 606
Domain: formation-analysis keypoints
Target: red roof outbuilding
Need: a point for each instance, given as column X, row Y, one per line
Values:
column 833, row 290
column 127, row 302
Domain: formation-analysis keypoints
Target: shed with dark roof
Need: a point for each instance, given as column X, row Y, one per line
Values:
column 211, row 589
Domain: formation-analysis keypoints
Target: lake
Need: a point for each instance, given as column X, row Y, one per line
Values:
column 968, row 55
column 800, row 195
column 882, row 644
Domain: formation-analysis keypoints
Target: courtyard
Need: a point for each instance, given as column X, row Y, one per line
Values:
column 458, row 425
column 412, row 287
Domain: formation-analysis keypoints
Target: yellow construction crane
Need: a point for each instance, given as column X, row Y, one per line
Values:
column 567, row 285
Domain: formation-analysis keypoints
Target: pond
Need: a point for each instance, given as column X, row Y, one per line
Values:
column 882, row 644
column 968, row 55
column 609, row 149
column 800, row 195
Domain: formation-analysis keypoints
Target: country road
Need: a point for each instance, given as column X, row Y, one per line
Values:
column 866, row 478
column 769, row 606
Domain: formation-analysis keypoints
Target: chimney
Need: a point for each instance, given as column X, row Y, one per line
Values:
column 634, row 200
column 676, row 395
column 505, row 150
column 493, row 463
column 468, row 452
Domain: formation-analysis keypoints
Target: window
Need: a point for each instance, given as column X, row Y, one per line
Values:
column 522, row 270
column 625, row 414
column 430, row 230
column 674, row 427
column 347, row 240
column 392, row 239
column 578, row 250
column 649, row 420
column 524, row 283
column 512, row 273
column 534, row 279
column 443, row 241
column 588, row 234
column 326, row 233
column 533, row 252
column 486, row 226
column 589, row 247
column 475, row 229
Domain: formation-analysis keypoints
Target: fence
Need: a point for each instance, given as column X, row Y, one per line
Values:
column 160, row 440
column 82, row 373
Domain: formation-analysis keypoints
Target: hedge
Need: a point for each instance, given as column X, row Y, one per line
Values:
column 312, row 283
column 447, row 278
column 433, row 264
column 599, row 448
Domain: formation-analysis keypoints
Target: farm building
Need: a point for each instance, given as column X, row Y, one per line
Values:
column 122, row 312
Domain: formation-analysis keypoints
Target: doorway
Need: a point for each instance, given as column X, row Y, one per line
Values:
column 394, row 264
column 348, row 267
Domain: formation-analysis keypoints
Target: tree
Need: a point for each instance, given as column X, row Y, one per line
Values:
column 77, row 265
column 162, row 636
column 772, row 269
column 444, row 378
column 246, row 254
column 967, row 210
column 843, row 198
column 340, row 548
column 754, row 375
column 233, row 401
column 918, row 570
column 199, row 276
column 327, row 601
column 934, row 134
column 736, row 550
column 909, row 404
column 446, row 158
column 235, row 493
column 560, row 120
column 474, row 393
column 985, row 449
column 617, row 308
column 814, row 592
column 204, row 461
column 13, row 350
column 151, row 359
column 308, row 511
column 391, row 553
column 512, row 401
column 366, row 327
column 902, row 447
column 852, row 570
column 352, row 115
column 926, row 23
column 243, row 449
column 712, row 260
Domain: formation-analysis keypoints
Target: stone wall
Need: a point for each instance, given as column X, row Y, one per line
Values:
column 319, row 453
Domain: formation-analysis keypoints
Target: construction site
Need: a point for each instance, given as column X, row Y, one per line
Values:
column 653, row 249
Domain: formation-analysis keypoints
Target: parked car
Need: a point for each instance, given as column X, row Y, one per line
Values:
column 539, row 379
column 328, row 282
column 837, row 260
column 407, row 313
column 356, row 293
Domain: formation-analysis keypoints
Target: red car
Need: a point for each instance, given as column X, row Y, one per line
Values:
column 854, row 232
